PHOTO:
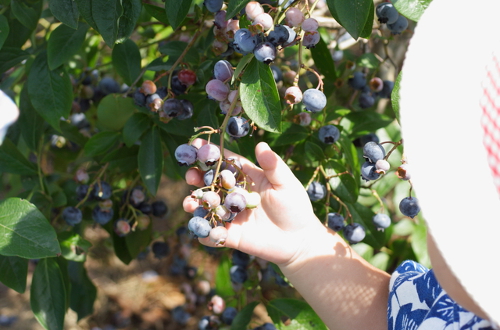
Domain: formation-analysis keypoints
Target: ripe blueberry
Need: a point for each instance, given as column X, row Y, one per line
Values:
column 409, row 207
column 354, row 233
column 329, row 134
column 314, row 100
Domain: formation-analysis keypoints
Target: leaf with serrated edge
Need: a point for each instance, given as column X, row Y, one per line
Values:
column 259, row 96
column 25, row 232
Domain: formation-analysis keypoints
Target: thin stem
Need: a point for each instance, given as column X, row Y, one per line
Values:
column 98, row 177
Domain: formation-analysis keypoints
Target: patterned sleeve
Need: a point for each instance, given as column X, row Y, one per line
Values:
column 417, row 301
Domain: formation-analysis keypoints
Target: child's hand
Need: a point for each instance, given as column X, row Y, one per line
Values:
column 278, row 228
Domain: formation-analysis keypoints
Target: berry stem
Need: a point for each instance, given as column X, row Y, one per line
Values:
column 396, row 144
column 96, row 180
column 377, row 196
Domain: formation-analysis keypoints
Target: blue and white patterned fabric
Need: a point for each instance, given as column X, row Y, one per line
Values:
column 417, row 301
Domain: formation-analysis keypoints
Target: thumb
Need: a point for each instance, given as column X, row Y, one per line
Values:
column 275, row 169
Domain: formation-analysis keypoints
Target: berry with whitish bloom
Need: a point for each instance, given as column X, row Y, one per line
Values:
column 72, row 215
column 310, row 39
column 185, row 154
column 399, row 26
column 265, row 52
column 137, row 196
column 209, row 154
column 253, row 9
column 102, row 216
column 232, row 164
column 357, row 81
column 304, row 118
column 265, row 20
column 154, row 102
column 293, row 95
column 199, row 226
column 335, row 221
column 376, row 84
column 210, row 200
column 354, row 233
column 218, row 235
column 329, row 134
column 403, row 173
column 310, row 25
column 372, row 151
column 386, row 13
column 208, row 177
column 217, row 90
column 409, row 207
column 314, row 100
column 171, row 108
column 253, row 200
column 381, row 221
column 244, row 41
column 200, row 211
column 316, row 191
column 279, row 36
column 220, row 20
column 122, row 227
column 294, row 17
column 237, row 127
column 102, row 190
column 366, row 100
column 213, row 6
column 223, row 70
column 369, row 171
column 382, row 166
column 235, row 202
column 81, row 176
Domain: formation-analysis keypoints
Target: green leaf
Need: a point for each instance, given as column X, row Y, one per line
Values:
column 4, row 29
column 113, row 112
column 368, row 60
column 13, row 161
column 106, row 14
column 85, row 9
column 50, row 91
column 222, row 279
column 313, row 151
column 100, row 143
column 127, row 61
column 175, row 48
column 25, row 232
column 419, row 243
column 325, row 64
column 31, row 122
column 65, row 11
column 395, row 96
column 124, row 158
column 301, row 314
column 73, row 246
column 10, row 57
column 157, row 12
column 14, row 272
column 48, row 295
column 352, row 15
column 120, row 247
column 150, row 160
column 83, row 292
column 131, row 12
column 242, row 63
column 364, row 122
column 27, row 12
column 343, row 186
column 177, row 127
column 64, row 43
column 412, row 9
column 363, row 215
column 292, row 133
column 176, row 11
column 350, row 155
column 135, row 126
column 259, row 96
column 72, row 133
column 368, row 29
column 244, row 316
column 138, row 240
column 234, row 7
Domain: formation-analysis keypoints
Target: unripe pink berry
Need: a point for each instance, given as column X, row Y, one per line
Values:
column 148, row 87
column 253, row 9
column 122, row 227
column 265, row 20
column 217, row 304
column 376, row 84
column 218, row 235
column 294, row 17
column 210, row 200
column 227, row 179
column 310, row 25
column 293, row 95
column 217, row 90
column 403, row 172
column 382, row 166
column 305, row 118
column 253, row 200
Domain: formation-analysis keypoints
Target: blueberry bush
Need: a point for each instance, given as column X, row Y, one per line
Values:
column 111, row 95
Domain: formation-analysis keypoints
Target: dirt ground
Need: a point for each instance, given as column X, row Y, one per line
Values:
column 140, row 295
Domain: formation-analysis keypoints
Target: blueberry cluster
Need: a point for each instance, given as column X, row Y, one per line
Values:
column 156, row 99
column 370, row 90
column 388, row 14
column 224, row 195
column 353, row 232
column 374, row 164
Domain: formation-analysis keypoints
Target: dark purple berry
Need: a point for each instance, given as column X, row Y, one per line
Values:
column 329, row 134
column 409, row 207
column 373, row 151
column 314, row 100
column 72, row 215
column 369, row 171
column 159, row 209
column 265, row 52
column 335, row 221
column 186, row 154
column 238, row 274
column 102, row 216
column 160, row 249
